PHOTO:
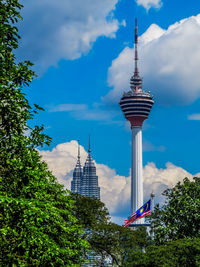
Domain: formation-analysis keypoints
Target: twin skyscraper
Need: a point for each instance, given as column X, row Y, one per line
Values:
column 85, row 180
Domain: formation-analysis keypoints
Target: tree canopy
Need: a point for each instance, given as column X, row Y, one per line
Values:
column 176, row 239
column 37, row 224
column 107, row 239
column 179, row 217
column 182, row 252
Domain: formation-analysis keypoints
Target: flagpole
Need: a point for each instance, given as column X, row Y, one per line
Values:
column 152, row 210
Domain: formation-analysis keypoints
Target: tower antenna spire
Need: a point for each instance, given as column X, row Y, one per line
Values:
column 136, row 72
column 136, row 80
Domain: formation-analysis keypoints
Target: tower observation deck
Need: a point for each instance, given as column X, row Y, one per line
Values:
column 136, row 106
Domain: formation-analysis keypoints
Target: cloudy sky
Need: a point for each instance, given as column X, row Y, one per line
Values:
column 83, row 55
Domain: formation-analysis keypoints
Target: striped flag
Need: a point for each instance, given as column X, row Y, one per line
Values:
column 145, row 210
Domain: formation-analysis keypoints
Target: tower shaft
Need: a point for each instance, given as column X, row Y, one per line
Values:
column 136, row 169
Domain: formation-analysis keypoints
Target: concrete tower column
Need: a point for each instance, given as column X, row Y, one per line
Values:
column 136, row 169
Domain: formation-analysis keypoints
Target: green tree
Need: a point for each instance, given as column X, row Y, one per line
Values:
column 105, row 238
column 90, row 211
column 182, row 252
column 118, row 242
column 179, row 217
column 37, row 224
column 176, row 230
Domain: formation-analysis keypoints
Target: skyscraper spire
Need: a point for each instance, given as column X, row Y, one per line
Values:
column 136, row 80
column 78, row 150
column 89, row 149
column 85, row 180
column 89, row 181
column 77, row 174
column 78, row 164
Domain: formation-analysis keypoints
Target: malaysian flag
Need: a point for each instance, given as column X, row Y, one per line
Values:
column 145, row 210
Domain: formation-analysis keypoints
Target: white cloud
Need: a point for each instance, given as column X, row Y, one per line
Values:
column 169, row 63
column 147, row 4
column 68, row 107
column 62, row 160
column 95, row 112
column 147, row 146
column 115, row 189
column 194, row 117
column 157, row 180
column 53, row 30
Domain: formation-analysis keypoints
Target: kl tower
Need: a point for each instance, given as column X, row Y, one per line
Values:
column 136, row 106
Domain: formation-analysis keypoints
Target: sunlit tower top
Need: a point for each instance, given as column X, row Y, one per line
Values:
column 136, row 104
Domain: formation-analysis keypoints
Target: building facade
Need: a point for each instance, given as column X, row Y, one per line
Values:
column 85, row 180
column 77, row 175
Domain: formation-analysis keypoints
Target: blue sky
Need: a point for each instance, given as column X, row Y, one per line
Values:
column 83, row 55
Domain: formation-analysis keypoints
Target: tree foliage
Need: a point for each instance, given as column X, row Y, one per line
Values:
column 179, row 217
column 37, row 224
column 182, row 252
column 176, row 229
column 107, row 239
